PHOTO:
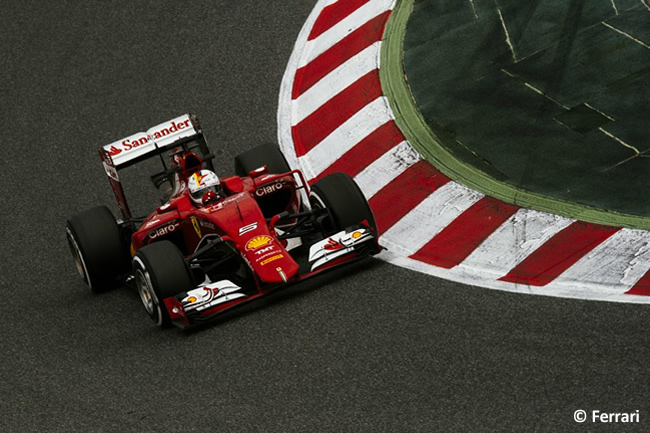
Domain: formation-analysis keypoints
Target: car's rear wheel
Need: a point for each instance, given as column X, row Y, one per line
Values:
column 97, row 248
column 342, row 197
column 160, row 272
column 265, row 154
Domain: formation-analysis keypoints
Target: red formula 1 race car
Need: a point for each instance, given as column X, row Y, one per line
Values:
column 216, row 242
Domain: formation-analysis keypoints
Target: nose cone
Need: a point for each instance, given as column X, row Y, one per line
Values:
column 271, row 262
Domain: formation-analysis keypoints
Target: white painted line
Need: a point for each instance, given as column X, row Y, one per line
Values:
column 618, row 262
column 334, row 82
column 356, row 19
column 614, row 6
column 623, row 143
column 386, row 168
column 539, row 92
column 600, row 112
column 471, row 2
column 626, row 35
column 429, row 217
column 505, row 30
column 646, row 4
column 534, row 89
column 342, row 139
column 513, row 241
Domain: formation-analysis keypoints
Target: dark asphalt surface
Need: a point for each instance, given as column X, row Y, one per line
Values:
column 371, row 348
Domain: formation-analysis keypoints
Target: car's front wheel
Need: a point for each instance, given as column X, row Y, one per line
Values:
column 160, row 272
column 342, row 197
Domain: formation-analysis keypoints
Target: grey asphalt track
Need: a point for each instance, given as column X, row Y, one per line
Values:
column 370, row 348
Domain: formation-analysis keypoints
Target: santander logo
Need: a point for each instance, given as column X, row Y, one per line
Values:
column 128, row 143
column 169, row 129
column 173, row 127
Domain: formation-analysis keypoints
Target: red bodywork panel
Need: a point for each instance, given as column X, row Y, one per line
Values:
column 237, row 217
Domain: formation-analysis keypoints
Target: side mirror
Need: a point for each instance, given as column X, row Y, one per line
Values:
column 166, row 207
column 258, row 172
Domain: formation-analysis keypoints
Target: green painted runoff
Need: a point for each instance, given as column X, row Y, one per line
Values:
column 542, row 104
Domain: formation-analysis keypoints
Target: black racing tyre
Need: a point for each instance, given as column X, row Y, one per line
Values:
column 265, row 154
column 97, row 248
column 342, row 197
column 160, row 272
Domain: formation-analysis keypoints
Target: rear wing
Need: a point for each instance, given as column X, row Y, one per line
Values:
column 144, row 145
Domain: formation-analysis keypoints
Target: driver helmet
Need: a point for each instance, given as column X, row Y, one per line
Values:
column 202, row 182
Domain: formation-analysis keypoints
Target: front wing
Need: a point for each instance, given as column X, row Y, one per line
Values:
column 212, row 298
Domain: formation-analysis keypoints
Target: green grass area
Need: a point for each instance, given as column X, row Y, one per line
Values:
column 551, row 117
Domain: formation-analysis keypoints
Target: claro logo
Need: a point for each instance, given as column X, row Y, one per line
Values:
column 262, row 191
column 162, row 231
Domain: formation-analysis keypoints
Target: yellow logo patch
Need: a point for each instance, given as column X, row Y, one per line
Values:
column 197, row 229
column 272, row 259
column 258, row 242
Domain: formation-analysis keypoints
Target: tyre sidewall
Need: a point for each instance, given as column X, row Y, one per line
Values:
column 157, row 311
column 163, row 267
column 96, row 237
column 343, row 198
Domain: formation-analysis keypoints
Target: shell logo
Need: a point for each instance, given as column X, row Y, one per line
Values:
column 258, row 242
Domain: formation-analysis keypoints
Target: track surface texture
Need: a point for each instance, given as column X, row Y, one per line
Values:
column 369, row 348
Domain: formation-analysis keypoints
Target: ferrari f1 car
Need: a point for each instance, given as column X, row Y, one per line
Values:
column 216, row 243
